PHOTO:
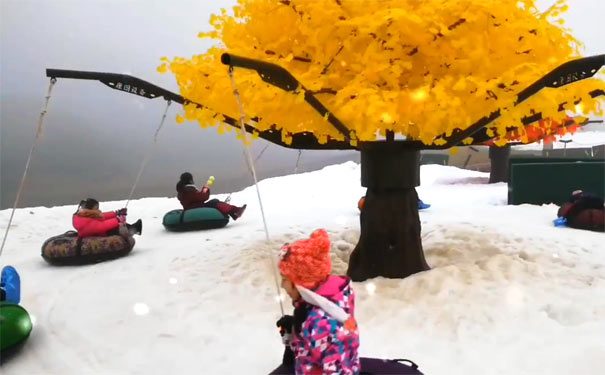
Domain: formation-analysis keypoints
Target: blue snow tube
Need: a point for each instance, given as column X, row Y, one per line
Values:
column 10, row 285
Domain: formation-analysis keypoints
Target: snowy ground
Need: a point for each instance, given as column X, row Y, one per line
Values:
column 508, row 292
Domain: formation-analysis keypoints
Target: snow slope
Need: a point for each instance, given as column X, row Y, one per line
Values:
column 508, row 292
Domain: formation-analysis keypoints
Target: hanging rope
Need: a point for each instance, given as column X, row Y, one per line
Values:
column 297, row 161
column 148, row 156
column 262, row 152
column 251, row 164
column 228, row 199
column 29, row 159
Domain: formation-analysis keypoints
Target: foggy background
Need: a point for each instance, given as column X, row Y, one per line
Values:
column 95, row 138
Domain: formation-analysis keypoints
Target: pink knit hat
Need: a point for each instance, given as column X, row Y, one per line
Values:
column 307, row 262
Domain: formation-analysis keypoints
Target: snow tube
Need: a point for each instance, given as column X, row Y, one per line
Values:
column 67, row 248
column 15, row 327
column 370, row 366
column 194, row 219
column 583, row 218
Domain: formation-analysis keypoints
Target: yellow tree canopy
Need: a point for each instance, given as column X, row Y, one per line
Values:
column 418, row 68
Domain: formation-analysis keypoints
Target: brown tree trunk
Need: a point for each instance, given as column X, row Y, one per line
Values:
column 499, row 158
column 390, row 244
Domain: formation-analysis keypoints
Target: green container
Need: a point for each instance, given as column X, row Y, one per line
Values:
column 194, row 219
column 543, row 182
column 440, row 159
column 15, row 326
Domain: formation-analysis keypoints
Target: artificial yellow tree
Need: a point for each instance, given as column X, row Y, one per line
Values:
column 363, row 74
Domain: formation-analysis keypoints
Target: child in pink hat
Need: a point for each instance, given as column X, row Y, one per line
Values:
column 322, row 336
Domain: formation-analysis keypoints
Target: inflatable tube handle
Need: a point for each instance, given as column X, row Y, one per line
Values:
column 414, row 365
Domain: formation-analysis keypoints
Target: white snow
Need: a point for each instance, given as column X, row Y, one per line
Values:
column 508, row 292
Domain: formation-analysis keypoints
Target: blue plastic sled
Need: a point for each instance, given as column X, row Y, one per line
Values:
column 560, row 222
column 10, row 282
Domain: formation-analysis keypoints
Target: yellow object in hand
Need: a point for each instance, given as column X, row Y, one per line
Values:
column 210, row 181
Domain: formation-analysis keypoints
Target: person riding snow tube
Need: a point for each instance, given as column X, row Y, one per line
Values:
column 421, row 204
column 15, row 322
column 101, row 236
column 89, row 221
column 198, row 212
column 583, row 211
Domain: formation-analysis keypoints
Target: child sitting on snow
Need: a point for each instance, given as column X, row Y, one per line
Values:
column 322, row 336
column 584, row 211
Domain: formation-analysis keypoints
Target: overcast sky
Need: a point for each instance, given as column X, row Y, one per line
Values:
column 96, row 138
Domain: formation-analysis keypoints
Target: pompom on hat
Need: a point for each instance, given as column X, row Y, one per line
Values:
column 307, row 262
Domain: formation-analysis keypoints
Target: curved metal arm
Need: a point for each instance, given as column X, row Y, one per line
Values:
column 481, row 136
column 120, row 82
column 280, row 77
column 137, row 86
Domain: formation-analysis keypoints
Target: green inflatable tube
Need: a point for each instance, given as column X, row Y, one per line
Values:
column 194, row 219
column 15, row 326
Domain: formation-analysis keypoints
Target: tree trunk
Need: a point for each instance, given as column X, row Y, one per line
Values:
column 390, row 244
column 499, row 157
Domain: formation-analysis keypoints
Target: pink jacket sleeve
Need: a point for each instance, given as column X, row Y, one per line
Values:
column 106, row 225
column 87, row 227
column 109, row 215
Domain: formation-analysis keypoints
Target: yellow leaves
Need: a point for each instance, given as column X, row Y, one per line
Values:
column 214, row 19
column 503, row 141
column 454, row 150
column 179, row 119
column 300, row 96
column 419, row 95
column 467, row 141
column 460, row 85
column 408, row 66
column 385, row 117
column 208, row 34
column 162, row 69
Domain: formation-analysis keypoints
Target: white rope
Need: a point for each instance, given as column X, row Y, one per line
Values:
column 251, row 164
column 29, row 158
column 149, row 154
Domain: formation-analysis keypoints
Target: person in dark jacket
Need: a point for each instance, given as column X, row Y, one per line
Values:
column 90, row 221
column 190, row 197
column 584, row 211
